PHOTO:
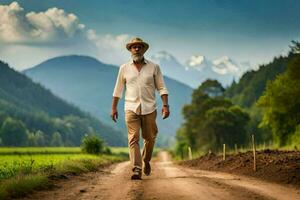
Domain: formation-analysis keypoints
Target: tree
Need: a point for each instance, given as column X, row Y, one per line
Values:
column 295, row 47
column 211, row 121
column 212, row 88
column 13, row 132
column 3, row 116
column 56, row 140
column 281, row 103
column 31, row 139
column 295, row 138
column 225, row 126
column 40, row 139
column 37, row 139
column 182, row 143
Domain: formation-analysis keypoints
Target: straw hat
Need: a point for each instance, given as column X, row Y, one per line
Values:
column 137, row 41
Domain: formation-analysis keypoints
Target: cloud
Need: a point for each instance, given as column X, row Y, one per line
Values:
column 50, row 26
column 32, row 36
column 108, row 41
column 111, row 49
column 12, row 23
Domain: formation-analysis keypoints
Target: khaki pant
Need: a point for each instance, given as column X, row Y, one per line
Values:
column 147, row 124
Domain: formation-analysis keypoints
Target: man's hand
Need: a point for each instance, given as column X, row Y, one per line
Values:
column 114, row 115
column 114, row 111
column 165, row 112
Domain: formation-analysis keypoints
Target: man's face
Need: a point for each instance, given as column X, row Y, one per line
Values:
column 137, row 52
column 137, row 49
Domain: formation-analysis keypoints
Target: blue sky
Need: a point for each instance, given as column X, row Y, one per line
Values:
column 245, row 30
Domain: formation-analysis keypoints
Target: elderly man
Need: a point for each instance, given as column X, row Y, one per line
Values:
column 141, row 78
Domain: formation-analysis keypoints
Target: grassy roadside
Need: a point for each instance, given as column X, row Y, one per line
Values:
column 41, row 170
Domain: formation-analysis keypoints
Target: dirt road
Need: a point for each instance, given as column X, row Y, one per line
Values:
column 168, row 181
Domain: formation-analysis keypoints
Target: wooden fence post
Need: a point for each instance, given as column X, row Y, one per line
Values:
column 224, row 151
column 235, row 147
column 254, row 152
column 181, row 151
column 190, row 153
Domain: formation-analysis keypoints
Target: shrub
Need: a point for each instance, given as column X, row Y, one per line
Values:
column 92, row 144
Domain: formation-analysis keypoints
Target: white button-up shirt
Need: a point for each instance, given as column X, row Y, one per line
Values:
column 140, row 86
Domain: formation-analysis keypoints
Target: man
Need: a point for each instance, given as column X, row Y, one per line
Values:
column 141, row 78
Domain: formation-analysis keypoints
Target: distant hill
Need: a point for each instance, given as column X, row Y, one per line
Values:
column 252, row 84
column 40, row 110
column 89, row 84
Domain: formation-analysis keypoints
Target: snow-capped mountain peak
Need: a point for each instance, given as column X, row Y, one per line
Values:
column 224, row 65
column 195, row 60
column 221, row 60
column 198, row 68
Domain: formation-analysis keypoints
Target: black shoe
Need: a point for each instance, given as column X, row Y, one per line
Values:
column 137, row 174
column 147, row 168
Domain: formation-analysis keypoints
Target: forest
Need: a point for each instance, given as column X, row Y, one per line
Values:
column 264, row 102
column 30, row 115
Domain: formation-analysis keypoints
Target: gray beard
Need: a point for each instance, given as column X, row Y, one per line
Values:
column 136, row 57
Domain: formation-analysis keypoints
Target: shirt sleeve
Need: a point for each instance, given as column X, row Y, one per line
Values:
column 120, row 82
column 159, row 82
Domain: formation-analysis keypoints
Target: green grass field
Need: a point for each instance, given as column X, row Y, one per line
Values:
column 51, row 150
column 22, row 167
column 12, row 165
column 39, row 150
column 15, row 161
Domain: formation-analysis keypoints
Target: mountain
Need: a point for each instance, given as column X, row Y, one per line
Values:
column 223, row 69
column 172, row 68
column 198, row 62
column 198, row 68
column 225, row 65
column 41, row 111
column 88, row 83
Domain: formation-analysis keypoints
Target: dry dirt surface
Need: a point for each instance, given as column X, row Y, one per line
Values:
column 282, row 167
column 167, row 182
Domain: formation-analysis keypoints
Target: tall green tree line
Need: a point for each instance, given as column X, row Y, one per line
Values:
column 281, row 102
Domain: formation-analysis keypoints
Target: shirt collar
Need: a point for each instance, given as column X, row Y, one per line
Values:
column 145, row 61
